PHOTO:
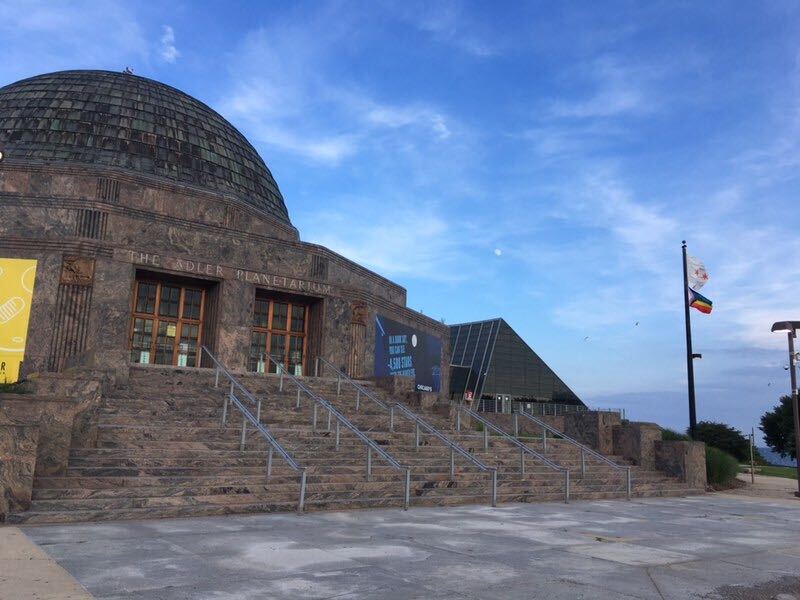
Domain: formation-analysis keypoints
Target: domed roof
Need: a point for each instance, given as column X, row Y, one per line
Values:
column 133, row 123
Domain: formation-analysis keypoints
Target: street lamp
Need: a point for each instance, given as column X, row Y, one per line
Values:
column 791, row 328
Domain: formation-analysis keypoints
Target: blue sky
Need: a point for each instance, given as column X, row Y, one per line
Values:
column 536, row 161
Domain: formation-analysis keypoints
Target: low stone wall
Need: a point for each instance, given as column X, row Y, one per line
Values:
column 636, row 442
column 593, row 428
column 18, row 443
column 684, row 460
column 526, row 426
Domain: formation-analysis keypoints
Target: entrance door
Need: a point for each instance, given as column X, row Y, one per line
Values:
column 167, row 324
column 280, row 329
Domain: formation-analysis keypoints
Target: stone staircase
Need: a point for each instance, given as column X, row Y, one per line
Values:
column 161, row 451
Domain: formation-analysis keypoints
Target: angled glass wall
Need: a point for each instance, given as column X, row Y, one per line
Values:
column 491, row 363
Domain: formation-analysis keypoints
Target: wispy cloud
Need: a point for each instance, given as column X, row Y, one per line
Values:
column 283, row 99
column 41, row 36
column 169, row 52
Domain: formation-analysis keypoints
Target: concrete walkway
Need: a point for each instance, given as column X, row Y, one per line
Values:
column 28, row 573
column 713, row 546
column 766, row 486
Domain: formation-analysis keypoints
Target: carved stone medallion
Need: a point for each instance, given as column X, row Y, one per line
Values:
column 77, row 270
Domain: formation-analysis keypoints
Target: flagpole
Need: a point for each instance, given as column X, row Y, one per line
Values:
column 689, row 354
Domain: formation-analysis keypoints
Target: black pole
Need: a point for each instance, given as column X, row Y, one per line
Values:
column 795, row 409
column 689, row 355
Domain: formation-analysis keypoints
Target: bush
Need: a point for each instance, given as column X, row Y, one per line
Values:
column 721, row 467
column 668, row 435
column 725, row 438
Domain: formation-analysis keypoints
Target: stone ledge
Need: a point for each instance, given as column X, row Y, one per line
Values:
column 684, row 460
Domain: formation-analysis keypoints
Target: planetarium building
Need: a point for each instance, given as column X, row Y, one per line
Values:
column 137, row 225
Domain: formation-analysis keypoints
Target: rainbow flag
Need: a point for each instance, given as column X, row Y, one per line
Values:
column 700, row 302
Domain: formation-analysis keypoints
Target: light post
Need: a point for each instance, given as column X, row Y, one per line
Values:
column 791, row 328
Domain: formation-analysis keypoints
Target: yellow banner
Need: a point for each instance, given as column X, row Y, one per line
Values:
column 17, row 278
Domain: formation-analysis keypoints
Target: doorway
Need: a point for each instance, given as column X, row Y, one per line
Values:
column 167, row 323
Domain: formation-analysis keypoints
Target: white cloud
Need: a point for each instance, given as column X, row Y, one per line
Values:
column 283, row 99
column 447, row 23
column 169, row 52
column 619, row 89
column 39, row 37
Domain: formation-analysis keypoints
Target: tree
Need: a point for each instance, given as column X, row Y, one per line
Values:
column 724, row 437
column 778, row 427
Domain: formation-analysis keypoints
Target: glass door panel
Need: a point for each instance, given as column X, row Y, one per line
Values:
column 277, row 349
column 142, row 340
column 279, row 331
column 165, row 343
column 167, row 324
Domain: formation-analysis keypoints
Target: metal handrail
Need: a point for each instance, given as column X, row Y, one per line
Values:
column 584, row 450
column 419, row 421
column 340, row 418
column 255, row 420
column 523, row 448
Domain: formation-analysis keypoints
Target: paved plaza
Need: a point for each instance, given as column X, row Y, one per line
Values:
column 714, row 546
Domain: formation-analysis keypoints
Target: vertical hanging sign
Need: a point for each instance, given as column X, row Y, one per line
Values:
column 17, row 278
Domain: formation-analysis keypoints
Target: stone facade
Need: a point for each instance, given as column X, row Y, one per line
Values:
column 684, row 460
column 95, row 228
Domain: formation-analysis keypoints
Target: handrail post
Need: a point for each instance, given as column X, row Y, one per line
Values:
column 316, row 367
column 225, row 411
column 269, row 463
column 391, row 418
column 544, row 438
column 216, row 377
column 628, row 482
column 369, row 463
column 416, row 435
column 329, row 420
column 297, row 404
column 258, row 411
column 485, row 438
column 458, row 419
column 280, row 370
column 301, row 504
column 337, row 434
column 583, row 463
column 314, row 419
column 452, row 463
column 244, row 433
column 494, row 487
column 516, row 425
column 408, row 489
column 522, row 461
column 358, row 400
column 566, row 486
column 338, row 384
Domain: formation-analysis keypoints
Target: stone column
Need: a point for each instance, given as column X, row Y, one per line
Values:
column 18, row 443
column 234, row 322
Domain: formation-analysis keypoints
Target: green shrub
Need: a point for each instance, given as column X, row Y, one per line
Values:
column 721, row 467
column 668, row 435
column 724, row 437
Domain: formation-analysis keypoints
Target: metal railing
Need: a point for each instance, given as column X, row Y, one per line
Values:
column 255, row 421
column 419, row 423
column 342, row 420
column 583, row 448
column 509, row 438
column 542, row 409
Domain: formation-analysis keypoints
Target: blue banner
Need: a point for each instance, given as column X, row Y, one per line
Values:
column 402, row 350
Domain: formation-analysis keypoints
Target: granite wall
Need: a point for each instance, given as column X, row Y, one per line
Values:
column 18, row 443
column 593, row 428
column 90, row 244
column 684, row 460
column 636, row 442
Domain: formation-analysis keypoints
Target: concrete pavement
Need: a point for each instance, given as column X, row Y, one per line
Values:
column 713, row 546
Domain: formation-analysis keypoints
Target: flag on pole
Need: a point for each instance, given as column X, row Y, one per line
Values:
column 700, row 302
column 696, row 272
